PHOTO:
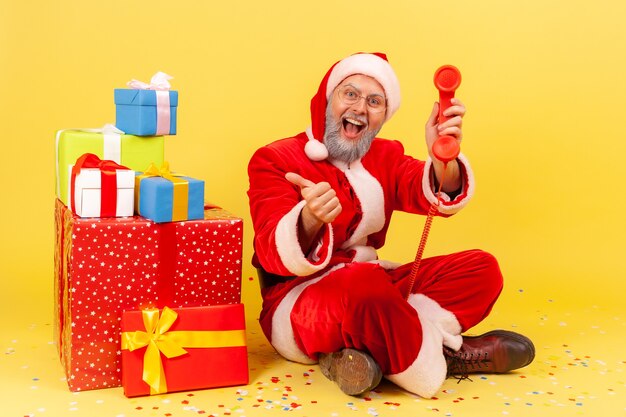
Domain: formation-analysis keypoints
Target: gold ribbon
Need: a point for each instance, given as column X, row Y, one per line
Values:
column 159, row 339
column 180, row 199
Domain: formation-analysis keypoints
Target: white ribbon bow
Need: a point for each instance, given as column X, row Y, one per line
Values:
column 159, row 81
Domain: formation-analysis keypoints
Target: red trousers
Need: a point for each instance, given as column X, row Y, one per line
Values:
column 364, row 306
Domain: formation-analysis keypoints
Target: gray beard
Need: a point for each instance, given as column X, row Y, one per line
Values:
column 341, row 149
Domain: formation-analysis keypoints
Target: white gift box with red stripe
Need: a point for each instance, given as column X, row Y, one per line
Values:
column 104, row 191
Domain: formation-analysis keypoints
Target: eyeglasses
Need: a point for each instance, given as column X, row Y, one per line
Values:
column 349, row 95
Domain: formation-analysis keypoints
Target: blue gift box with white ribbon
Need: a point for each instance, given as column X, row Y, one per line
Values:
column 147, row 109
column 137, row 113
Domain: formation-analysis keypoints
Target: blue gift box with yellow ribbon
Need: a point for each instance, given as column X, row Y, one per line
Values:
column 163, row 196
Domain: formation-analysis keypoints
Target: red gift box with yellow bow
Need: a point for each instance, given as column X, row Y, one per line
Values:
column 183, row 349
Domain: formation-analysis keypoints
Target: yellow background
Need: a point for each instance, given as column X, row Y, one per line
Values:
column 543, row 82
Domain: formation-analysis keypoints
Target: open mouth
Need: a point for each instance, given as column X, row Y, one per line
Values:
column 352, row 127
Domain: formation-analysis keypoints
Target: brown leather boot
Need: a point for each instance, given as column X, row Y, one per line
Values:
column 498, row 351
column 355, row 372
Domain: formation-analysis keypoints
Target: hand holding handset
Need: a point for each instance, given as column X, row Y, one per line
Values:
column 447, row 79
column 446, row 148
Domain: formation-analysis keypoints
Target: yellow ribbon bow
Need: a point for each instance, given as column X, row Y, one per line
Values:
column 159, row 339
column 180, row 199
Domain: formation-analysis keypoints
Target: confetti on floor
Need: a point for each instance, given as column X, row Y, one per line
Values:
column 578, row 370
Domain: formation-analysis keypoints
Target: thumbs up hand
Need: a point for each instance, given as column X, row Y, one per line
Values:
column 322, row 203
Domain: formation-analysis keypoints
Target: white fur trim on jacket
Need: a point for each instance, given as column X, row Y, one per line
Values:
column 370, row 194
column 364, row 253
column 283, row 339
column 385, row 264
column 447, row 206
column 289, row 249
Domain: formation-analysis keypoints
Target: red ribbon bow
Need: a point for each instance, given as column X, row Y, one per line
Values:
column 108, row 175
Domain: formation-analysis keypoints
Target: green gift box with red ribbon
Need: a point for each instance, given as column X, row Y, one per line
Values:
column 108, row 143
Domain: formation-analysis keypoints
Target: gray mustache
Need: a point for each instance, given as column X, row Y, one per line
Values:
column 360, row 118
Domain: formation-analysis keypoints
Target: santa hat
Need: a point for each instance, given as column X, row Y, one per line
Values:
column 374, row 65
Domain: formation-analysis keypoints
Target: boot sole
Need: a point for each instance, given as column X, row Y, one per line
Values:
column 353, row 371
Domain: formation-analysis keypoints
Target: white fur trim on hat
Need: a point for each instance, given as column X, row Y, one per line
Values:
column 372, row 66
column 314, row 149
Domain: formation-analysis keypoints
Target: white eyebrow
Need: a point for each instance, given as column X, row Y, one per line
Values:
column 359, row 90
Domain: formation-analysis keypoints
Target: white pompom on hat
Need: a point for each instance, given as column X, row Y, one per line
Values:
column 374, row 65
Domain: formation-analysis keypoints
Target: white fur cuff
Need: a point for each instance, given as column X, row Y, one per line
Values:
column 289, row 249
column 427, row 373
column 440, row 327
column 447, row 206
column 444, row 320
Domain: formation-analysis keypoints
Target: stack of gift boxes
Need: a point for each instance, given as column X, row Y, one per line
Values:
column 147, row 277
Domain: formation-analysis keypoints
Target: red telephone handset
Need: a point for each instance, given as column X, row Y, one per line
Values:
column 447, row 79
column 446, row 148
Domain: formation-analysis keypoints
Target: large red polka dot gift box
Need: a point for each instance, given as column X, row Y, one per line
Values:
column 104, row 266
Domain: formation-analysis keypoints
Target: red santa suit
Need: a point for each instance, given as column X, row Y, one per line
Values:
column 341, row 294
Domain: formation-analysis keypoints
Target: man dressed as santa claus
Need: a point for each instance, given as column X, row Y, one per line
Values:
column 321, row 203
